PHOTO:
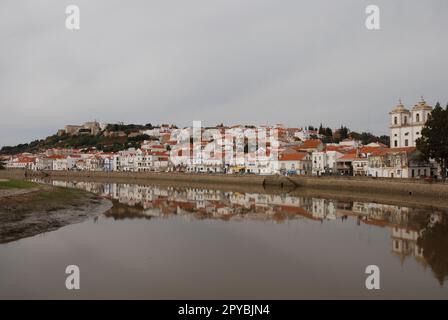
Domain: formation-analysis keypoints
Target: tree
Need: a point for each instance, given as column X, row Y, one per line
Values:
column 343, row 131
column 2, row 164
column 434, row 241
column 326, row 133
column 321, row 129
column 384, row 139
column 434, row 141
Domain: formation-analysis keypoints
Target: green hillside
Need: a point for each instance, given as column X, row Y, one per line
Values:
column 105, row 141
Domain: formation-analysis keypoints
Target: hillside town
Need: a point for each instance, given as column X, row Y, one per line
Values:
column 277, row 150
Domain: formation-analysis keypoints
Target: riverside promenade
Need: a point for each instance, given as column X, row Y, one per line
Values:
column 416, row 189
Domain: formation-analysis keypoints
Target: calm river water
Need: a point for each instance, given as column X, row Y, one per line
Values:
column 189, row 243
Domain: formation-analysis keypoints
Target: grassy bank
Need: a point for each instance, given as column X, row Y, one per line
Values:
column 17, row 184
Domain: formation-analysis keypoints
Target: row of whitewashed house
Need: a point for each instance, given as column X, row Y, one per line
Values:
column 311, row 157
column 130, row 160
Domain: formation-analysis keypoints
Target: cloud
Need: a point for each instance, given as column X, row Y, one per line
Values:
column 251, row 61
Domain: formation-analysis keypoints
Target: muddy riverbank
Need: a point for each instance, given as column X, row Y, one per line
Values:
column 30, row 211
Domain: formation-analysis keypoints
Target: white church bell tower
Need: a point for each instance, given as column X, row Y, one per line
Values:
column 406, row 126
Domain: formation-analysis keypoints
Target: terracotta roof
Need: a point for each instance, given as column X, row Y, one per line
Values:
column 159, row 153
column 27, row 159
column 348, row 156
column 293, row 156
column 310, row 144
column 350, row 151
column 367, row 150
column 57, row 156
column 384, row 151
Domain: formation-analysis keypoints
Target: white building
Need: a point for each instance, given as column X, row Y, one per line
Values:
column 360, row 166
column 306, row 134
column 398, row 163
column 293, row 163
column 406, row 126
column 21, row 162
column 350, row 143
column 43, row 163
column 324, row 162
column 61, row 163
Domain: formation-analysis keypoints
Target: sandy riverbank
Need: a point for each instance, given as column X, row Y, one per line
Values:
column 30, row 211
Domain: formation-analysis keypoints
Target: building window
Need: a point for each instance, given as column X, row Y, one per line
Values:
column 406, row 143
column 396, row 143
column 395, row 120
column 417, row 117
column 405, row 120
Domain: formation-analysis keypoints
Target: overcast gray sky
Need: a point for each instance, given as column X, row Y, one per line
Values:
column 232, row 61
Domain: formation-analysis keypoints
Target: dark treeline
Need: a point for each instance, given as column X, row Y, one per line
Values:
column 342, row 133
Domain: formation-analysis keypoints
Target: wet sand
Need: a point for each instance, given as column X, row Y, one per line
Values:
column 28, row 212
column 5, row 193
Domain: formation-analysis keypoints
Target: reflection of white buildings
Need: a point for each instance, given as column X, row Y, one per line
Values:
column 191, row 203
column 404, row 242
column 378, row 211
column 323, row 209
column 434, row 218
column 404, row 238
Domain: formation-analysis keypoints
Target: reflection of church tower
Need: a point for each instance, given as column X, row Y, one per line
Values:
column 405, row 243
column 406, row 126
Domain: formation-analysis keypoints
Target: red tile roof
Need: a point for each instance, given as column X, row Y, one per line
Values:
column 293, row 156
column 348, row 156
column 384, row 151
column 27, row 160
column 368, row 150
column 57, row 156
column 311, row 144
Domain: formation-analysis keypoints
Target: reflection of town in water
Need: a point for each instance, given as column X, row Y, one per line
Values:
column 418, row 233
